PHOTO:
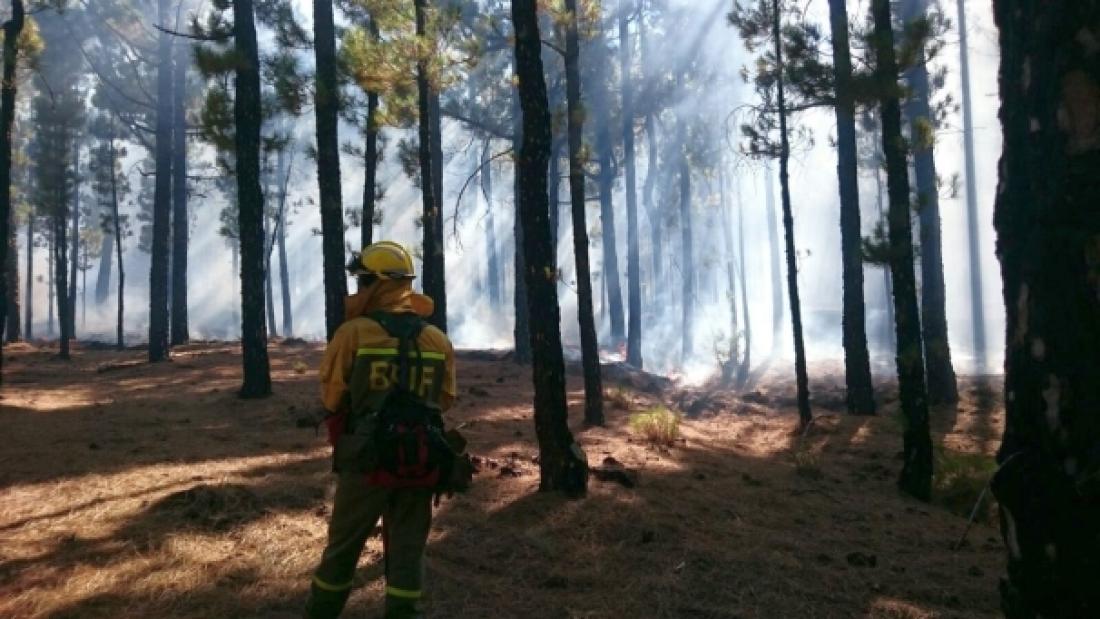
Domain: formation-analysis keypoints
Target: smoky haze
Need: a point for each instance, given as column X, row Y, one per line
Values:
column 705, row 44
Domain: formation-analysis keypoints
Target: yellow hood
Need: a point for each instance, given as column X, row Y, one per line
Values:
column 394, row 296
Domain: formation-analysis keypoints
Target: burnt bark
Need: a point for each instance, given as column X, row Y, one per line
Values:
column 12, row 28
column 60, row 273
column 590, row 352
column 857, row 361
column 28, row 297
column 916, row 474
column 248, row 117
column 181, row 218
column 605, row 182
column 562, row 464
column 327, row 104
column 633, row 259
column 432, row 213
column 74, row 235
column 12, row 326
column 939, row 370
column 802, row 380
column 103, row 272
column 370, row 150
column 116, row 220
column 521, row 331
column 162, row 198
column 1048, row 243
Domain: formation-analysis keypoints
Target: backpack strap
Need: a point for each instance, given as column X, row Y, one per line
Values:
column 406, row 328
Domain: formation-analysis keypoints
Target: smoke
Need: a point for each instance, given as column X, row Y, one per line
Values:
column 700, row 41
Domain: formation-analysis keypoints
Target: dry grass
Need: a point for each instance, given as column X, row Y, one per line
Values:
column 659, row 426
column 154, row 492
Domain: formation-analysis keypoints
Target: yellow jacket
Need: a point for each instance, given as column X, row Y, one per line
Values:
column 360, row 337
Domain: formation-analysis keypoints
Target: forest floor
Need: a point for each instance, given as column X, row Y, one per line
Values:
column 137, row 491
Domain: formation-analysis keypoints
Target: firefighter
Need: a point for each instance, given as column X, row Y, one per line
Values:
column 363, row 365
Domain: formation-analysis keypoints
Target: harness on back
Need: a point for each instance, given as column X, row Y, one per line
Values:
column 401, row 442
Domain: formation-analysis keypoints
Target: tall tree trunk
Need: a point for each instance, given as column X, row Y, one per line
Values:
column 117, row 221
column 370, row 177
column 974, row 245
column 162, row 198
column 561, row 462
column 13, row 327
column 74, row 235
column 733, row 360
column 28, row 303
column 269, row 296
column 181, row 218
column 633, row 260
column 916, row 474
column 553, row 192
column 280, row 227
column 248, row 116
column 887, row 288
column 937, row 350
column 687, row 251
column 522, row 330
column 432, row 220
column 493, row 257
column 746, row 360
column 653, row 214
column 439, row 257
column 857, row 361
column 12, row 28
column 50, row 329
column 606, row 184
column 590, row 348
column 801, row 378
column 1048, row 242
column 61, row 276
column 327, row 103
column 103, row 273
column 773, row 255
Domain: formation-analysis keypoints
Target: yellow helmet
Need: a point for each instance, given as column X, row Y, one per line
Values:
column 384, row 260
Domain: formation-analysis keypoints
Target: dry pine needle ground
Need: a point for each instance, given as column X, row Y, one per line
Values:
column 129, row 490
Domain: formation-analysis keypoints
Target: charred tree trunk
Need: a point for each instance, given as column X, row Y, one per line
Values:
column 248, row 116
column 1048, row 242
column 162, row 198
column 857, row 361
column 28, row 298
column 773, row 255
column 269, row 293
column 521, row 331
column 801, row 378
column 561, row 462
column 327, row 106
column 493, row 257
column 687, row 252
column 439, row 258
column 370, row 177
column 103, row 273
column 74, row 253
column 117, row 222
column 280, row 234
column 633, row 260
column 652, row 213
column 937, row 350
column 12, row 28
column 13, row 327
column 60, row 275
column 553, row 192
column 746, row 360
column 51, row 298
column 606, row 183
column 181, row 218
column 590, row 348
column 974, row 245
column 732, row 362
column 916, row 474
column 432, row 220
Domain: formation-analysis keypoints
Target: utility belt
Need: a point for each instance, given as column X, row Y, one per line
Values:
column 403, row 445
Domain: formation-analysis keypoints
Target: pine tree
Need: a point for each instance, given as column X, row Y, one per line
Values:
column 1047, row 230
column 326, row 104
column 857, row 363
column 181, row 218
column 633, row 259
column 575, row 114
column 562, row 464
column 763, row 25
column 162, row 196
column 111, row 186
column 12, row 30
column 916, row 475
